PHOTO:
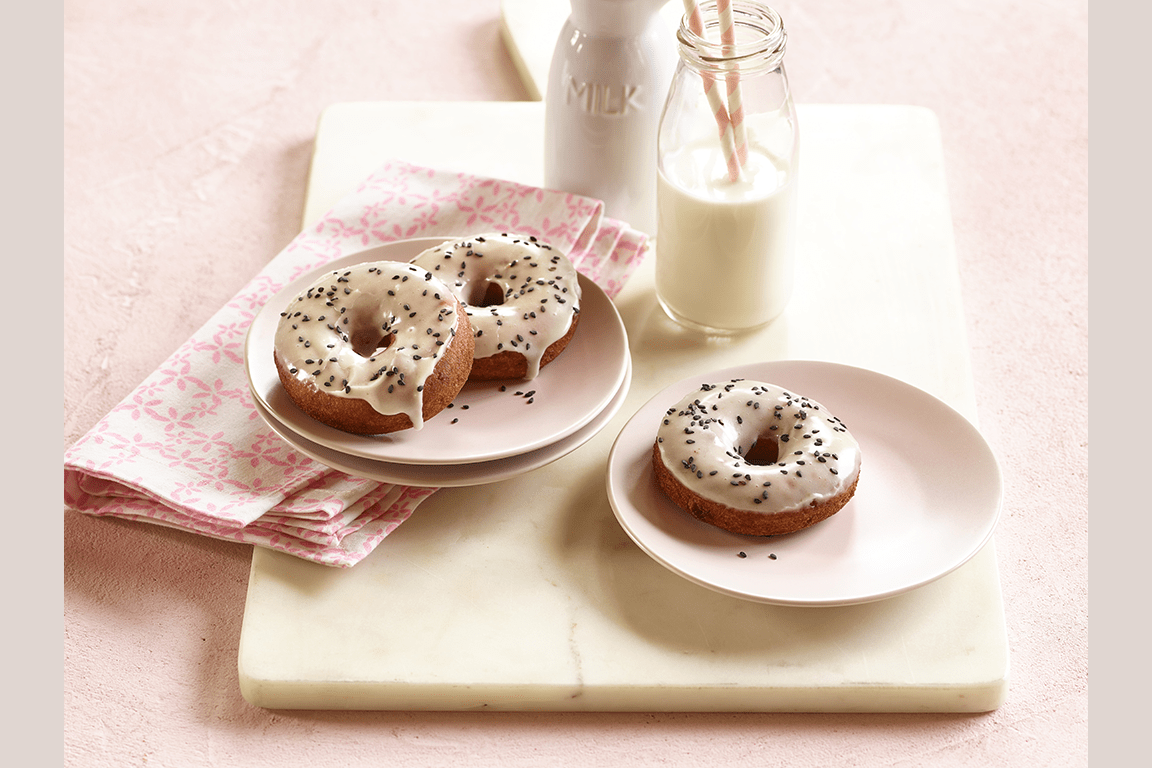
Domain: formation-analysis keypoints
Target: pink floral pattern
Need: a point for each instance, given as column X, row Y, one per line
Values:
column 186, row 448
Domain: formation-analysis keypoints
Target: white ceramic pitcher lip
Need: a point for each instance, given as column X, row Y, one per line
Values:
column 614, row 18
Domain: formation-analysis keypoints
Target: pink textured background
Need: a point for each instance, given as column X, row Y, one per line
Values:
column 188, row 130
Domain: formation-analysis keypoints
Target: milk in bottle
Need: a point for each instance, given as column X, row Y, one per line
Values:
column 726, row 191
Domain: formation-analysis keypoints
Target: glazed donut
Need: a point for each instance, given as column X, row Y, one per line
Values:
column 374, row 348
column 754, row 458
column 522, row 297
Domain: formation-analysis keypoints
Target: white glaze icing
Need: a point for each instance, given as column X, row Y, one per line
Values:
column 374, row 331
column 704, row 438
column 540, row 287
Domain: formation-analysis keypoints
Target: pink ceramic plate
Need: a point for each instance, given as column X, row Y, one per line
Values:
column 928, row 499
column 490, row 423
column 449, row 475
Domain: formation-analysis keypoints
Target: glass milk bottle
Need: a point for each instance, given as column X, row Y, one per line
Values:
column 727, row 154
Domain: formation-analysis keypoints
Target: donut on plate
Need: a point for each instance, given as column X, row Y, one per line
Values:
column 522, row 297
column 374, row 348
column 754, row 458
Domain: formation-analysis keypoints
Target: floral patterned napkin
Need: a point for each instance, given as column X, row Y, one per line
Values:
column 187, row 449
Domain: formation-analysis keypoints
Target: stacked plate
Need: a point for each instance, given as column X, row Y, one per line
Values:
column 492, row 431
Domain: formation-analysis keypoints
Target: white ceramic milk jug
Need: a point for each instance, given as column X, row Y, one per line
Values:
column 610, row 72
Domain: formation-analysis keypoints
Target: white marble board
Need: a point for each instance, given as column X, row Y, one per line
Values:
column 527, row 595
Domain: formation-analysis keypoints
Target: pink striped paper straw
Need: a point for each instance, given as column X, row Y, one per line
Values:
column 715, row 101
column 735, row 100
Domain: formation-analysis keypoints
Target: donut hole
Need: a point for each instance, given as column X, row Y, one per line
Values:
column 368, row 342
column 486, row 294
column 764, row 451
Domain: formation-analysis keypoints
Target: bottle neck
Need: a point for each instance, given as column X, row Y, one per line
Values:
column 614, row 18
column 759, row 43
